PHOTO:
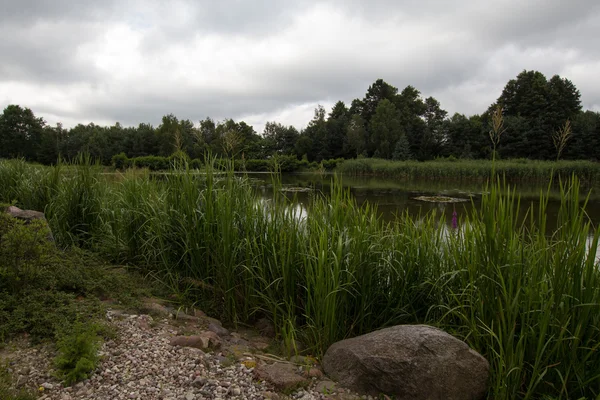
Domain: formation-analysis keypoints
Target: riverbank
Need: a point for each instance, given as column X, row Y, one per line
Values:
column 528, row 302
column 73, row 328
column 521, row 170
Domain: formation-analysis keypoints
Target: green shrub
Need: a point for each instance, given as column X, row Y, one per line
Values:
column 153, row 163
column 258, row 165
column 43, row 288
column 78, row 352
column 331, row 164
column 21, row 249
column 287, row 163
column 120, row 161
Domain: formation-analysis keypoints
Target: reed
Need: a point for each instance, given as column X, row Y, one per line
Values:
column 529, row 302
column 519, row 170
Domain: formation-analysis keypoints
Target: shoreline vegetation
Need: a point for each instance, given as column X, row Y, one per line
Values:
column 527, row 301
column 515, row 170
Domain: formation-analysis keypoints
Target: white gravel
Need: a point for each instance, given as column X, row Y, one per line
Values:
column 141, row 364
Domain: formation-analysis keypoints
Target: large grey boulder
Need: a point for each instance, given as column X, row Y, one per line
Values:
column 409, row 362
column 28, row 216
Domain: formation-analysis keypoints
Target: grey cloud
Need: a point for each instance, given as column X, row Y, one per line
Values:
column 44, row 53
column 27, row 12
column 488, row 43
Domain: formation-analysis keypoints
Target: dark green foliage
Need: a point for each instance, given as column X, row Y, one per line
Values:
column 280, row 139
column 286, row 163
column 356, row 137
column 520, row 170
column 21, row 250
column 77, row 352
column 385, row 129
column 43, row 289
column 337, row 125
column 257, row 165
column 120, row 161
column 402, row 149
column 153, row 163
column 538, row 107
column 332, row 164
column 313, row 141
column 377, row 92
column 20, row 133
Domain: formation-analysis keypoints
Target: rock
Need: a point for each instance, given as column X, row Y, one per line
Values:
column 305, row 396
column 25, row 215
column 409, row 362
column 154, row 306
column 28, row 216
column 204, row 341
column 235, row 390
column 283, row 376
column 199, row 381
column 197, row 313
column 239, row 342
column 260, row 344
column 325, row 387
column 314, row 372
column 181, row 316
column 300, row 360
column 218, row 329
column 47, row 386
column 265, row 327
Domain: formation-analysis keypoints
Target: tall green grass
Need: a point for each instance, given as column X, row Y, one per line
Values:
column 529, row 302
column 478, row 170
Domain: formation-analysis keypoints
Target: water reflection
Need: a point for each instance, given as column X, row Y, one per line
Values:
column 394, row 197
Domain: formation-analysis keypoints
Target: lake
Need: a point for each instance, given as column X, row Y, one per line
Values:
column 394, row 197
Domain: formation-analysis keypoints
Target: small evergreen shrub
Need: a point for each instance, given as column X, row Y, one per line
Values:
column 78, row 353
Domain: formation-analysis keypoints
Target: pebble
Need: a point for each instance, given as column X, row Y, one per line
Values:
column 141, row 364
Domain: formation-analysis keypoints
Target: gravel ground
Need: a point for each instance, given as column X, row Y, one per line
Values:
column 141, row 364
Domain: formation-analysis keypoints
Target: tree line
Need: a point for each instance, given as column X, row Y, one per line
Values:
column 386, row 123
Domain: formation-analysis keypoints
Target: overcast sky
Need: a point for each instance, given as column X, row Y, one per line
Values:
column 263, row 60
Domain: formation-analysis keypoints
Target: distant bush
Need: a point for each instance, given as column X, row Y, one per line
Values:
column 256, row 165
column 286, row 163
column 331, row 164
column 120, row 161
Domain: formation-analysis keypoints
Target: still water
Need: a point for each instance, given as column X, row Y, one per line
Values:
column 394, row 197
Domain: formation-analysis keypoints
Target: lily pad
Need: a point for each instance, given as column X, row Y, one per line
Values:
column 296, row 189
column 440, row 199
